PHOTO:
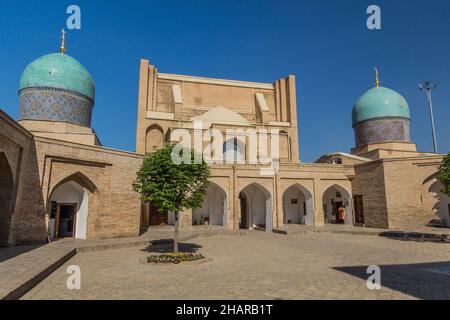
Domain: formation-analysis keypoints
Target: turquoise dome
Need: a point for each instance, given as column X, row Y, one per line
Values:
column 380, row 102
column 58, row 70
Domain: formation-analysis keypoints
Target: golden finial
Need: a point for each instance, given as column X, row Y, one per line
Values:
column 63, row 42
column 377, row 80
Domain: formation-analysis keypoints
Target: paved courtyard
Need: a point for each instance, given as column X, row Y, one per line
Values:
column 263, row 266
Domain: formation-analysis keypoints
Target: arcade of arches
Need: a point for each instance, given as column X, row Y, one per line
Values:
column 256, row 208
column 378, row 185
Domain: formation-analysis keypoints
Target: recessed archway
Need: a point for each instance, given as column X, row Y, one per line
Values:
column 337, row 205
column 298, row 206
column 234, row 151
column 154, row 138
column 69, row 204
column 441, row 205
column 215, row 208
column 256, row 208
column 6, row 192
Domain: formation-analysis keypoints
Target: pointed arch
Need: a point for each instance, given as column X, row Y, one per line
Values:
column 71, row 201
column 334, row 197
column 215, row 207
column 154, row 138
column 431, row 179
column 439, row 201
column 298, row 205
column 256, row 207
column 234, row 150
column 81, row 179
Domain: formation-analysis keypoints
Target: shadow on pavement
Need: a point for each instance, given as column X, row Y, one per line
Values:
column 167, row 246
column 12, row 252
column 428, row 281
column 416, row 236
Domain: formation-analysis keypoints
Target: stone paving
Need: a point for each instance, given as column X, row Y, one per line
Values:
column 22, row 267
column 258, row 265
column 12, row 252
column 24, row 271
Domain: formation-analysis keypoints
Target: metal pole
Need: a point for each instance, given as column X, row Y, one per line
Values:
column 430, row 102
column 428, row 86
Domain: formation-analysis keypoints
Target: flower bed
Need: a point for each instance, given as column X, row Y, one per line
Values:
column 175, row 258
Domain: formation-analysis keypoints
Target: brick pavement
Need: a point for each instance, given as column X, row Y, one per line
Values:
column 263, row 266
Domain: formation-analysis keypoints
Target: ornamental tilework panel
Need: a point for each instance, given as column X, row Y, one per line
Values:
column 382, row 130
column 55, row 105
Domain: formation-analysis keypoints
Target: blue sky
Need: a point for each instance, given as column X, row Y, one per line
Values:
column 324, row 43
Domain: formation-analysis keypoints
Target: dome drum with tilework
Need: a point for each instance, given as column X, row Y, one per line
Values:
column 381, row 115
column 56, row 87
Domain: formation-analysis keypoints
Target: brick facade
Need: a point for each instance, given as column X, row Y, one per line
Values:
column 393, row 179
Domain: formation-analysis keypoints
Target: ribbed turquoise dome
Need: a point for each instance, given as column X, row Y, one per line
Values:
column 60, row 71
column 380, row 102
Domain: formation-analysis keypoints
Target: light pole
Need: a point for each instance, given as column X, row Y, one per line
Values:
column 428, row 87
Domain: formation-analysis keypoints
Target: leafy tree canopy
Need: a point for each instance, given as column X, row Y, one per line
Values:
column 170, row 186
column 444, row 174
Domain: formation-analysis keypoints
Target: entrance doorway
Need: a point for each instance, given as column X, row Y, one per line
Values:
column 214, row 210
column 66, row 215
column 256, row 208
column 337, row 206
column 336, row 212
column 6, row 193
column 243, row 222
column 69, row 205
column 157, row 218
column 298, row 206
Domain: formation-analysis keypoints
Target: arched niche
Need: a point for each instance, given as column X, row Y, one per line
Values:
column 70, row 205
column 256, row 207
column 154, row 138
column 215, row 208
column 234, row 151
column 441, row 202
column 298, row 206
column 334, row 198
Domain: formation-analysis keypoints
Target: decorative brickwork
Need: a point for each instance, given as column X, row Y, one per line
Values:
column 382, row 130
column 45, row 103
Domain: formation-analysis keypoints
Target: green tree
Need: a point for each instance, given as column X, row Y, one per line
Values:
column 170, row 185
column 444, row 174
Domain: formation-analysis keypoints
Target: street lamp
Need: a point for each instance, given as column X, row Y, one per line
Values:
column 428, row 87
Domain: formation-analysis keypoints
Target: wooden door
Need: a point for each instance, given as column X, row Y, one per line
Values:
column 65, row 224
column 243, row 212
column 157, row 218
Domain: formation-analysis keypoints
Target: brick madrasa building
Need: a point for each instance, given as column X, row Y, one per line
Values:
column 57, row 181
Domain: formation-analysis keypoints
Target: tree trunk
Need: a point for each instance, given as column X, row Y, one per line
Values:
column 175, row 238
